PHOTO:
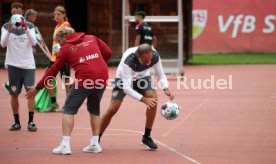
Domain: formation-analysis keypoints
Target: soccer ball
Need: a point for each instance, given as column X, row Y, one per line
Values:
column 170, row 110
column 17, row 21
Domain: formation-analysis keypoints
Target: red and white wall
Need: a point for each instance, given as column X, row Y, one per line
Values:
column 234, row 26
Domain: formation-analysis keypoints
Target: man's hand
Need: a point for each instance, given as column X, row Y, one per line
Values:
column 168, row 93
column 25, row 27
column 9, row 27
column 31, row 93
column 150, row 102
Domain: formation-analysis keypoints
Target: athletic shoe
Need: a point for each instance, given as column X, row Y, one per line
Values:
column 15, row 127
column 53, row 108
column 148, row 142
column 31, row 127
column 59, row 109
column 7, row 88
column 92, row 149
column 62, row 149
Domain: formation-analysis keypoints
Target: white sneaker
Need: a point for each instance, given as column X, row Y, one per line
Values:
column 62, row 149
column 92, row 149
column 53, row 108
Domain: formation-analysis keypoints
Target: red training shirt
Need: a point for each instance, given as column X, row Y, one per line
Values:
column 87, row 55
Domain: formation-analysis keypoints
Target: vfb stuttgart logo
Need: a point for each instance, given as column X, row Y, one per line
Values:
column 199, row 22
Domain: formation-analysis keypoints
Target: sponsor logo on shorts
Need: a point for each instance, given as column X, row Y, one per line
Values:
column 115, row 93
column 13, row 88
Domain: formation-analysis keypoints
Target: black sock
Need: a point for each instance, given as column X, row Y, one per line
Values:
column 147, row 132
column 53, row 99
column 31, row 117
column 16, row 118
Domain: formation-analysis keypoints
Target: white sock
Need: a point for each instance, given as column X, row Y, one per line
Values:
column 94, row 140
column 65, row 140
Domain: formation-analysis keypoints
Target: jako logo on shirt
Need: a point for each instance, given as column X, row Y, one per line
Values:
column 88, row 57
column 81, row 60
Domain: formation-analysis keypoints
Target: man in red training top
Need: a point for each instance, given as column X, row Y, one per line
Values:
column 88, row 56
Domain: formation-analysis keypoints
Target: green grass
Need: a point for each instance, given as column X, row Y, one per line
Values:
column 214, row 59
column 233, row 58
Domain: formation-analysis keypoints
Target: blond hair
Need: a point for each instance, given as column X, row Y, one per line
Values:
column 30, row 12
column 64, row 32
column 62, row 10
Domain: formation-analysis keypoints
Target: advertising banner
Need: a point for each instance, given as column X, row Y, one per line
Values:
column 234, row 26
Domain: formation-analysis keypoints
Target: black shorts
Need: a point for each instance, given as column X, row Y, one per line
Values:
column 76, row 97
column 65, row 70
column 19, row 77
column 139, row 85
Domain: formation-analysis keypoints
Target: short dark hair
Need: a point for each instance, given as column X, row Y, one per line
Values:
column 141, row 13
column 143, row 48
column 17, row 5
